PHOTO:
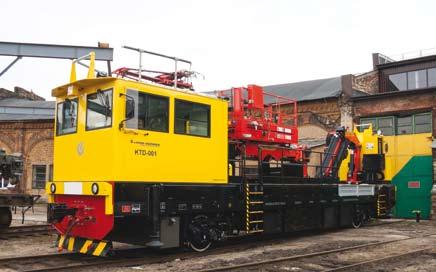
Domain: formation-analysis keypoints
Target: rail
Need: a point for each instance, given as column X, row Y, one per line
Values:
column 324, row 254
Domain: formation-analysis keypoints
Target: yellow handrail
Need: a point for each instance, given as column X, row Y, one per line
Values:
column 91, row 68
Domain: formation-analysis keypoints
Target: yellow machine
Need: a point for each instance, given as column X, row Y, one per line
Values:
column 365, row 143
column 111, row 129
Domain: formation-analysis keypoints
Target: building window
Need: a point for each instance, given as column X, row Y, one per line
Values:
column 367, row 121
column 99, row 110
column 432, row 77
column 66, row 117
column 398, row 82
column 386, row 125
column 400, row 125
column 413, row 80
column 192, row 118
column 39, row 176
column 422, row 123
column 150, row 112
column 417, row 79
column 404, row 125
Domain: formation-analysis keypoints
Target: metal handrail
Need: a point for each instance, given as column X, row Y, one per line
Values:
column 175, row 59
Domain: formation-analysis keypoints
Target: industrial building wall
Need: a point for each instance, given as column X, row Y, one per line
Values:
column 35, row 141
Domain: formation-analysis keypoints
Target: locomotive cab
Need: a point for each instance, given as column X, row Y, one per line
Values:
column 115, row 139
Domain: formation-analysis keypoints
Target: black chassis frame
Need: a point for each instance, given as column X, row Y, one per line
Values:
column 167, row 210
column 8, row 201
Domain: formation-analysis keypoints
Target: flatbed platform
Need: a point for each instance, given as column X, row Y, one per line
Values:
column 8, row 200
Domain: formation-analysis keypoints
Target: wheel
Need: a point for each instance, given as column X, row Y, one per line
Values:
column 5, row 217
column 357, row 220
column 199, row 238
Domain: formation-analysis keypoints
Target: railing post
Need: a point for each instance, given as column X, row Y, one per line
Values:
column 260, row 165
column 281, row 166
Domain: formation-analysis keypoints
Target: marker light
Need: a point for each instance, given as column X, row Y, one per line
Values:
column 52, row 188
column 94, row 188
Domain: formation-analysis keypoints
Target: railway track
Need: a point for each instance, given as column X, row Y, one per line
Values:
column 22, row 231
column 328, row 258
column 378, row 260
column 141, row 256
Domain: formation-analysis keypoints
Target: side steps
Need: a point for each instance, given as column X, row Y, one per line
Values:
column 381, row 205
column 254, row 207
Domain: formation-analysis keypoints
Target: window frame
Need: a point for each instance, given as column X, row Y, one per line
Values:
column 407, row 73
column 395, row 124
column 411, row 125
column 209, row 125
column 137, row 110
column 112, row 110
column 392, row 118
column 77, row 117
column 422, row 114
column 374, row 124
column 428, row 78
column 398, row 74
column 34, row 181
column 416, row 71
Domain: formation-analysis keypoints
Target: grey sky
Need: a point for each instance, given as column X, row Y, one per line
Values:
column 232, row 43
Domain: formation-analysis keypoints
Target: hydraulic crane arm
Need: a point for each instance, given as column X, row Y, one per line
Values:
column 335, row 153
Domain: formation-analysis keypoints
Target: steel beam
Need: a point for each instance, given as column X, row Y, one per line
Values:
column 9, row 66
column 53, row 51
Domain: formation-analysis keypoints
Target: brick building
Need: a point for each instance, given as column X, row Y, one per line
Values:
column 26, row 125
column 399, row 99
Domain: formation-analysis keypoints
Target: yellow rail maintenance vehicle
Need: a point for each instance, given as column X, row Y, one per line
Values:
column 148, row 161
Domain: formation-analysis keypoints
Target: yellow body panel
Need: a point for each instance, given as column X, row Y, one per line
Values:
column 123, row 155
column 402, row 148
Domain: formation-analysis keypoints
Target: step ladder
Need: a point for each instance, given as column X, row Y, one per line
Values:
column 381, row 205
column 254, row 206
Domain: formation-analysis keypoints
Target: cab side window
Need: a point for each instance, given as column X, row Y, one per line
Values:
column 151, row 112
column 192, row 118
column 66, row 117
column 99, row 110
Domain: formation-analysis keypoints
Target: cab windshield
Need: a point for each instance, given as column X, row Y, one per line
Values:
column 66, row 117
column 99, row 110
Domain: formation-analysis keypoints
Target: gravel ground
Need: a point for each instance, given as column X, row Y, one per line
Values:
column 324, row 241
column 291, row 245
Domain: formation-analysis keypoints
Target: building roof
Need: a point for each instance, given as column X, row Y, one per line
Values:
column 24, row 117
column 15, row 109
column 308, row 90
column 24, row 103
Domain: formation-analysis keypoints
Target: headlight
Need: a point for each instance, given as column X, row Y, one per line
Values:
column 52, row 188
column 94, row 188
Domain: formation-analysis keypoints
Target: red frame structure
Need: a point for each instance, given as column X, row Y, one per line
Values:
column 164, row 78
column 260, row 118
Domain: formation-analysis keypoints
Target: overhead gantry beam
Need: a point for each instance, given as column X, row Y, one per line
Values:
column 53, row 51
